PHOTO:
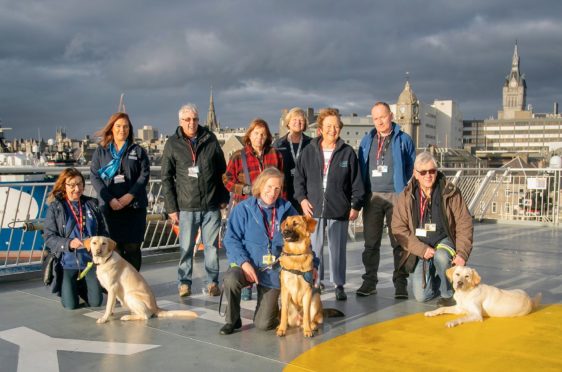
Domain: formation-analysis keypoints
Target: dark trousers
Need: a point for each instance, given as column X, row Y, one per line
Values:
column 378, row 208
column 131, row 252
column 87, row 288
column 266, row 316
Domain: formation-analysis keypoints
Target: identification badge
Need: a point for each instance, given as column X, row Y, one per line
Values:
column 268, row 259
column 120, row 178
column 421, row 232
column 430, row 227
column 132, row 157
column 293, row 172
column 376, row 173
column 193, row 171
column 382, row 168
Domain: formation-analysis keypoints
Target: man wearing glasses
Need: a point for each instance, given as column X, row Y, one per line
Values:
column 386, row 159
column 432, row 223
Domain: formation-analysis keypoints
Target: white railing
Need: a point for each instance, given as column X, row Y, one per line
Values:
column 503, row 194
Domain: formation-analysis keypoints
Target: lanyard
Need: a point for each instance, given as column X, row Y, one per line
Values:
column 193, row 154
column 293, row 150
column 423, row 205
column 381, row 141
column 79, row 219
column 270, row 228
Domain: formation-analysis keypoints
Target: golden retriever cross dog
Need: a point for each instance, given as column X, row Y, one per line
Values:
column 300, row 303
column 125, row 284
column 480, row 300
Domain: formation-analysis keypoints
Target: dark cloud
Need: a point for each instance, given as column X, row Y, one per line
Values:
column 64, row 63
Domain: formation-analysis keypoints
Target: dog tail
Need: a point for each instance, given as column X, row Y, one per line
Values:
column 332, row 313
column 536, row 300
column 175, row 314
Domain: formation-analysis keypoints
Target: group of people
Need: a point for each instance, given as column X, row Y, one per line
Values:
column 429, row 225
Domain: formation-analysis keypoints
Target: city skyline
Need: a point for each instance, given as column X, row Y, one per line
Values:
column 65, row 64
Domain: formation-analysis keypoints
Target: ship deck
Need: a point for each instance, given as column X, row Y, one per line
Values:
column 377, row 332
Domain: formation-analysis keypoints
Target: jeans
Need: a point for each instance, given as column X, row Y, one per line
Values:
column 378, row 208
column 88, row 289
column 190, row 222
column 435, row 278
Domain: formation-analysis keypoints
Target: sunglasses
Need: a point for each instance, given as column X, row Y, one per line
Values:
column 424, row 172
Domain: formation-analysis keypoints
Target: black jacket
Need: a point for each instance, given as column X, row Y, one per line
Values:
column 284, row 146
column 344, row 189
column 134, row 166
column 185, row 193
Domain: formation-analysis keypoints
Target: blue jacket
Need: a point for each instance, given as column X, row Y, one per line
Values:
column 246, row 237
column 403, row 156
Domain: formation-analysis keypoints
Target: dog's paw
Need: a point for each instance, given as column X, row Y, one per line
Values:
column 281, row 331
column 102, row 320
column 126, row 317
column 314, row 326
column 451, row 324
column 308, row 333
column 430, row 313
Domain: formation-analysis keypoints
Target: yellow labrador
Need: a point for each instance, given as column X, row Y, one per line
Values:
column 125, row 284
column 480, row 300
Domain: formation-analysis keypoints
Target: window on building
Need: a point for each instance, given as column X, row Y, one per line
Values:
column 507, row 192
column 494, row 207
column 507, row 207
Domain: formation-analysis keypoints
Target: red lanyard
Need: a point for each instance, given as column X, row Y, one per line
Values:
column 423, row 205
column 380, row 144
column 271, row 227
column 193, row 154
column 79, row 220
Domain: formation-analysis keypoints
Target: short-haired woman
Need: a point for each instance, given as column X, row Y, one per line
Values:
column 71, row 218
column 120, row 171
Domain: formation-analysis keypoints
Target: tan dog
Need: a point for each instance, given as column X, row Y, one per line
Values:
column 481, row 300
column 125, row 284
column 300, row 305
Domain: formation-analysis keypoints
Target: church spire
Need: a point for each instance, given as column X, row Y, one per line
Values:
column 212, row 123
column 515, row 60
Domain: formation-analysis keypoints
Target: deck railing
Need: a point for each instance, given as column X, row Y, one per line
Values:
column 503, row 194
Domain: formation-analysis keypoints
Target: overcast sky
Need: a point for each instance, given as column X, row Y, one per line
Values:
column 65, row 63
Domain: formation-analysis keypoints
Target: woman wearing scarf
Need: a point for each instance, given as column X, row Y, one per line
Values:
column 119, row 172
column 71, row 218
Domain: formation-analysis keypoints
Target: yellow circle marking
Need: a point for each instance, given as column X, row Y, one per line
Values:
column 415, row 342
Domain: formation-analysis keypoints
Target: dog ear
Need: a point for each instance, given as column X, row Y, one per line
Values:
column 310, row 224
column 449, row 272
column 475, row 277
column 111, row 243
column 283, row 225
column 87, row 244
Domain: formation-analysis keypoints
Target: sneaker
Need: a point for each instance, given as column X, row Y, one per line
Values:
column 213, row 290
column 366, row 289
column 246, row 294
column 446, row 301
column 184, row 290
column 401, row 292
column 340, row 294
column 228, row 328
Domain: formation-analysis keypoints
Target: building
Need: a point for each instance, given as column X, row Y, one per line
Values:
column 147, row 133
column 517, row 131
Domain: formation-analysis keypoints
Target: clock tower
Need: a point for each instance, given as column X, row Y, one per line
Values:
column 407, row 112
column 514, row 91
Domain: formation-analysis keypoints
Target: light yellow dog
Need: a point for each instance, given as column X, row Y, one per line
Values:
column 125, row 284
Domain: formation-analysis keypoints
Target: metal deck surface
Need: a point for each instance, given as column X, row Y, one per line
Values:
column 37, row 334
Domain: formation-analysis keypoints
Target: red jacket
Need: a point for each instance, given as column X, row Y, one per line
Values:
column 234, row 178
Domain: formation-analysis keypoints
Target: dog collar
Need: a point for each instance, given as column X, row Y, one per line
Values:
column 283, row 253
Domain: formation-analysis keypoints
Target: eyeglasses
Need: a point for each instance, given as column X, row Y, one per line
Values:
column 426, row 171
column 190, row 119
column 73, row 185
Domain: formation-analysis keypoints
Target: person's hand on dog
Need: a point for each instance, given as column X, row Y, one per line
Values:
column 314, row 274
column 353, row 214
column 429, row 253
column 76, row 244
column 458, row 261
column 249, row 272
column 126, row 199
column 174, row 217
column 115, row 204
column 306, row 208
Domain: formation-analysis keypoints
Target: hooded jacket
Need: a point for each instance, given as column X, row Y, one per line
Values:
column 184, row 193
column 457, row 220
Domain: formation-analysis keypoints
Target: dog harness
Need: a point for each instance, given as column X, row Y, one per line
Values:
column 307, row 275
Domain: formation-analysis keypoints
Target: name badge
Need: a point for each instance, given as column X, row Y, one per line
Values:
column 382, row 168
column 376, row 173
column 293, row 172
column 268, row 259
column 430, row 227
column 120, row 178
column 132, row 157
column 421, row 232
column 193, row 171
